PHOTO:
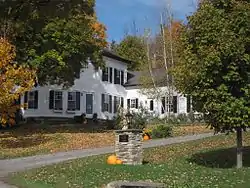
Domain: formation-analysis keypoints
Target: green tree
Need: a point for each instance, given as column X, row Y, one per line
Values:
column 55, row 37
column 133, row 48
column 214, row 66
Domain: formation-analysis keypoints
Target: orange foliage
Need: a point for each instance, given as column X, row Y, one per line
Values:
column 175, row 30
column 14, row 81
column 99, row 32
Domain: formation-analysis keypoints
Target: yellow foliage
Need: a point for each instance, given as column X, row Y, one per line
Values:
column 14, row 81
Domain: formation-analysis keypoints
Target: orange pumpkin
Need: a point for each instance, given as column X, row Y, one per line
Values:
column 112, row 159
column 146, row 137
column 118, row 161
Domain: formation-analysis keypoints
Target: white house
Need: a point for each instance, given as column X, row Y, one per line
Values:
column 96, row 91
column 161, row 106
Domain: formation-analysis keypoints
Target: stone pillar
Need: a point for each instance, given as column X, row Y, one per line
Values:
column 128, row 146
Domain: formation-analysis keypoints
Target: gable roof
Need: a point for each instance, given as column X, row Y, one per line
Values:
column 110, row 54
column 134, row 78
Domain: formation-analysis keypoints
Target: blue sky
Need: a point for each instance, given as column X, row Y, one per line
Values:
column 119, row 15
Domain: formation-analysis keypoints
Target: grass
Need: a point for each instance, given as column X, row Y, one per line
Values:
column 29, row 140
column 203, row 163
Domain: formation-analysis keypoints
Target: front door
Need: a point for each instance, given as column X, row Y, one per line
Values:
column 89, row 103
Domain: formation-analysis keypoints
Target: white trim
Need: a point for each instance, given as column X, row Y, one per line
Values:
column 54, row 100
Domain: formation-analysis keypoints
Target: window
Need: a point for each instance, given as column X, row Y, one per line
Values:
column 105, row 103
column 107, row 74
column 151, row 105
column 74, row 101
column 56, row 100
column 169, row 104
column 71, row 101
column 117, row 103
column 119, row 77
column 31, row 99
column 134, row 103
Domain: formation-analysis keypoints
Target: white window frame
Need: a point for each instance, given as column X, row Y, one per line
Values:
column 106, row 102
column 73, row 100
column 169, row 104
column 118, row 102
column 119, row 74
column 61, row 94
column 109, row 81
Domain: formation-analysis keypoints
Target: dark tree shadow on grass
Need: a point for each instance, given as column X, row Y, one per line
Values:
column 222, row 158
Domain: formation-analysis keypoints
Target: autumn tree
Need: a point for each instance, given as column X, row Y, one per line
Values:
column 14, row 80
column 162, row 55
column 56, row 37
column 133, row 48
column 215, row 65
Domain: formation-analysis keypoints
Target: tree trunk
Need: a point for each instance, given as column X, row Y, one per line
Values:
column 239, row 147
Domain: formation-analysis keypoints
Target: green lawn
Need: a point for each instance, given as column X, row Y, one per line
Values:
column 203, row 163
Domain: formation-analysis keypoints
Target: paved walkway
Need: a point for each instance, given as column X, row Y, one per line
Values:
column 25, row 163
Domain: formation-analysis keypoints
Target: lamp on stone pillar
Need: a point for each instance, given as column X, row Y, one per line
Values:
column 129, row 119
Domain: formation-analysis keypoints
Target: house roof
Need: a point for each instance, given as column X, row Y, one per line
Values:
column 110, row 54
column 134, row 78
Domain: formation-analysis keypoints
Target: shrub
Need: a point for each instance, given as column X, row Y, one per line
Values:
column 95, row 117
column 162, row 131
column 182, row 118
column 140, row 118
column 80, row 119
column 191, row 117
column 119, row 119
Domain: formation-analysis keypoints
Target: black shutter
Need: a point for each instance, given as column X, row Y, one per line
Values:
column 115, row 75
column 18, row 101
column 188, row 104
column 122, row 102
column 78, row 101
column 128, row 103
column 163, row 102
column 151, row 105
column 110, row 74
column 175, row 104
column 51, row 99
column 103, row 97
column 122, row 77
column 103, row 74
column 110, row 104
column 115, row 104
column 25, row 99
column 136, row 103
column 36, row 100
